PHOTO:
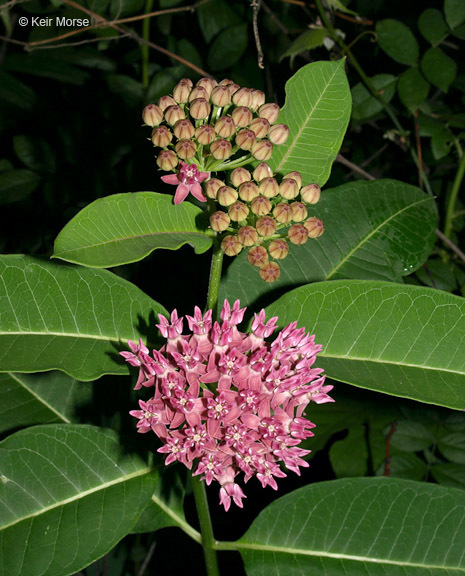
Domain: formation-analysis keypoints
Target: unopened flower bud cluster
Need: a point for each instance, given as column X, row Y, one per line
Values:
column 262, row 214
column 213, row 125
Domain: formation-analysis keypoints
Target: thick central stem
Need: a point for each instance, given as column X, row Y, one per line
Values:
column 200, row 494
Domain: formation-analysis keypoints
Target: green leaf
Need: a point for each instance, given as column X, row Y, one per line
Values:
column 68, row 494
column 317, row 111
column 215, row 16
column 379, row 230
column 46, row 65
column 127, row 88
column 40, row 398
column 455, row 12
column 437, row 274
column 441, row 143
column 35, row 154
column 349, row 456
column 406, row 341
column 350, row 527
column 364, row 104
column 432, row 26
column 397, row 40
column 58, row 317
column 452, row 447
column 407, row 466
column 16, row 185
column 163, row 82
column 309, row 40
column 228, row 47
column 411, row 436
column 413, row 88
column 449, row 474
column 125, row 228
column 438, row 68
column 15, row 92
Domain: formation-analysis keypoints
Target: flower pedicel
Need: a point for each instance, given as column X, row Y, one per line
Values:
column 226, row 402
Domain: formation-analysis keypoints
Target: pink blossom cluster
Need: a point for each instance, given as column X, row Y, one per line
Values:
column 227, row 402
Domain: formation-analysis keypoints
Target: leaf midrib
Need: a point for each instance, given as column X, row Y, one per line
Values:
column 79, row 496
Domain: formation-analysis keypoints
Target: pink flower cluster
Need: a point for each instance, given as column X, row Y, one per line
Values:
column 227, row 402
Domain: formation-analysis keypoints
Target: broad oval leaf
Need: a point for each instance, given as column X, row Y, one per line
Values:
column 349, row 527
column 68, row 494
column 413, row 88
column 397, row 40
column 317, row 111
column 379, row 230
column 406, row 341
column 364, row 104
column 439, row 68
column 125, row 228
column 59, row 317
column 40, row 399
column 455, row 12
column 432, row 26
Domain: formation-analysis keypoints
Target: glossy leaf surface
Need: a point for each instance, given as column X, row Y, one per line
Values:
column 125, row 228
column 403, row 340
column 59, row 317
column 349, row 527
column 317, row 111
column 70, row 492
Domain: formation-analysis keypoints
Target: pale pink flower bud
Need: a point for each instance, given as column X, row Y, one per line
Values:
column 181, row 92
column 314, row 227
column 173, row 114
column 198, row 92
column 257, row 256
column 167, row 160
column 278, row 249
column 242, row 117
column 226, row 196
column 262, row 171
column 232, row 87
column 166, row 101
column 152, row 115
column 262, row 150
column 245, row 139
column 205, row 134
column 266, row 226
column 269, row 187
column 185, row 149
column 183, row 129
column 226, row 82
column 261, row 206
column 208, row 84
column 310, row 193
column 220, row 96
column 221, row 149
column 269, row 272
column 298, row 234
column 299, row 211
column 239, row 176
column 289, row 189
column 219, row 221
column 269, row 111
column 278, row 134
column 259, row 127
column 238, row 212
column 248, row 191
column 295, row 176
column 243, row 97
column 199, row 109
column 283, row 213
column 231, row 246
column 225, row 127
column 212, row 186
column 161, row 136
column 247, row 236
column 258, row 99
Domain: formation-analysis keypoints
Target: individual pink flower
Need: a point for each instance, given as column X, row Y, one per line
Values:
column 226, row 403
column 188, row 179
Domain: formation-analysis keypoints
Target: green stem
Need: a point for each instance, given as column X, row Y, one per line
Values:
column 208, row 540
column 144, row 47
column 215, row 278
column 453, row 197
column 369, row 84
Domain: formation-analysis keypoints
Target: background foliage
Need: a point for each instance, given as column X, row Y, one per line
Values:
column 70, row 131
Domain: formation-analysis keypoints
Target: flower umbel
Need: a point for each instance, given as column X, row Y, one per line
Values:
column 227, row 402
column 188, row 179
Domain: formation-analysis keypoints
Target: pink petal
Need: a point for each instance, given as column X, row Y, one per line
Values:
column 196, row 191
column 202, row 176
column 181, row 194
column 170, row 179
